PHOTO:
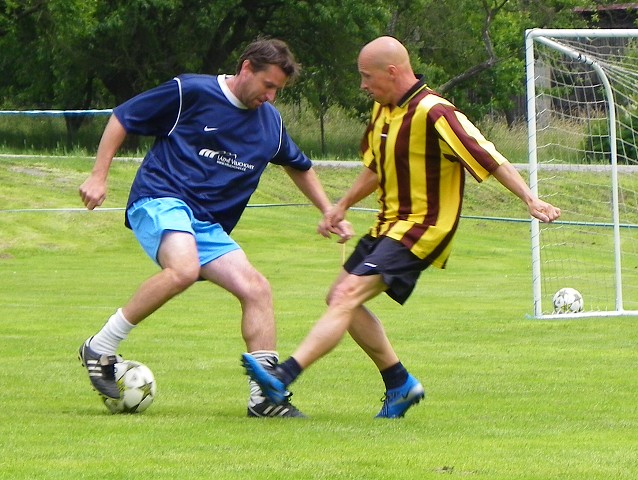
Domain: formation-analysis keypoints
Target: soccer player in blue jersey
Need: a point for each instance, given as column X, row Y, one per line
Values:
column 214, row 136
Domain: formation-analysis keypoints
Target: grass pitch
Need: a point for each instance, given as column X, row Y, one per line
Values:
column 507, row 397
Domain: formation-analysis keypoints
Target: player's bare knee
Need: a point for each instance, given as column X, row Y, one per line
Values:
column 330, row 293
column 182, row 278
column 262, row 287
column 258, row 289
column 342, row 297
column 328, row 296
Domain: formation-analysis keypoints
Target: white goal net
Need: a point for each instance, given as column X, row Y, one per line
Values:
column 582, row 102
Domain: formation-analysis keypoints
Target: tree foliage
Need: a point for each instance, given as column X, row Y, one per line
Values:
column 76, row 54
column 473, row 50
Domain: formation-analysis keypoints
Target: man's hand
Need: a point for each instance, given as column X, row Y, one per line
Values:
column 333, row 221
column 93, row 192
column 545, row 212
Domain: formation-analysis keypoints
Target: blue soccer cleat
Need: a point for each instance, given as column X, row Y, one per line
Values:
column 398, row 400
column 273, row 388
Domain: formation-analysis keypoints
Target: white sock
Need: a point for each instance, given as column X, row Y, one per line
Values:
column 116, row 329
column 267, row 359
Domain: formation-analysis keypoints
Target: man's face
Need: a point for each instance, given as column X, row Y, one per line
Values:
column 376, row 81
column 260, row 87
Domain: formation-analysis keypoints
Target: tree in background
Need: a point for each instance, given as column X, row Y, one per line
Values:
column 328, row 45
column 472, row 51
column 76, row 54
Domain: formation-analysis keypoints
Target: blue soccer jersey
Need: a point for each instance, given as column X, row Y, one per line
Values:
column 209, row 150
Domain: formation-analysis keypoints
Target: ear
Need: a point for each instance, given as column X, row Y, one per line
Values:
column 247, row 66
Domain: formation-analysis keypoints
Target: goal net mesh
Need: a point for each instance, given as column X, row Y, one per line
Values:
column 594, row 246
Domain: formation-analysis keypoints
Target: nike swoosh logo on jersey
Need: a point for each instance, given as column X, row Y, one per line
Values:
column 371, row 265
column 210, row 129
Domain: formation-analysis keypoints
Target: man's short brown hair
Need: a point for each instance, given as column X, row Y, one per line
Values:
column 264, row 52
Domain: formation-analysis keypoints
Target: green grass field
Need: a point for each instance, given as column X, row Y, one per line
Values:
column 508, row 397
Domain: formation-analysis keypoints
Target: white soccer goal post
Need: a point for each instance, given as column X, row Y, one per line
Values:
column 582, row 110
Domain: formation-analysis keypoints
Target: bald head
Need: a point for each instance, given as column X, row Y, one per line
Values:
column 384, row 51
column 386, row 73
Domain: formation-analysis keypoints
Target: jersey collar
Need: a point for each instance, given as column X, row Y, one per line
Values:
column 417, row 87
column 228, row 94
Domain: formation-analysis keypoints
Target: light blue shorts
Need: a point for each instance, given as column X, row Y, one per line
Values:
column 150, row 218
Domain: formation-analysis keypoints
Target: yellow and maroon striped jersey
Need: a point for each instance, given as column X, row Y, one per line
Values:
column 419, row 150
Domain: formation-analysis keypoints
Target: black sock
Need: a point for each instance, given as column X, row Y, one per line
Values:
column 394, row 376
column 289, row 371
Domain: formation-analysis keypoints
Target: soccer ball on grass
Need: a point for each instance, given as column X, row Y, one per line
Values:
column 137, row 388
column 568, row 300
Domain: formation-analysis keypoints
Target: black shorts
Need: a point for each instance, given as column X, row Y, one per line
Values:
column 398, row 266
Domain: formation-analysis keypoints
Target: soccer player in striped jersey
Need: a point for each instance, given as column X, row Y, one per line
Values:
column 415, row 152
column 215, row 135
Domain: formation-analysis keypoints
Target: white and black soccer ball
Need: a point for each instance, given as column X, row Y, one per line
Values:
column 568, row 300
column 137, row 388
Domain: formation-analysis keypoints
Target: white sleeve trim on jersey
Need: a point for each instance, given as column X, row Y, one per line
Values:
column 281, row 133
column 179, row 112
